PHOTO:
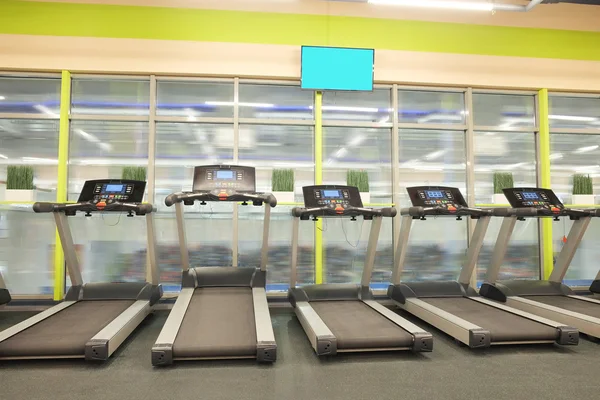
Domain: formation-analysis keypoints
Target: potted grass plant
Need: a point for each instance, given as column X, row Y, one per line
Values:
column 282, row 185
column 19, row 183
column 134, row 173
column 360, row 179
column 583, row 190
column 502, row 180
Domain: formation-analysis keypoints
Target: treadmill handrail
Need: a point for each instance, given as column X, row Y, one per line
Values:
column 305, row 213
column 419, row 211
column 89, row 207
column 189, row 198
column 531, row 212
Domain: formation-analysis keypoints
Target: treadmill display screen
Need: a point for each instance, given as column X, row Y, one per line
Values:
column 332, row 194
column 434, row 194
column 225, row 174
column 531, row 196
column 111, row 188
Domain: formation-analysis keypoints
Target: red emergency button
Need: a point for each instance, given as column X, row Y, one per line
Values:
column 339, row 209
column 222, row 196
column 451, row 208
column 555, row 210
column 100, row 205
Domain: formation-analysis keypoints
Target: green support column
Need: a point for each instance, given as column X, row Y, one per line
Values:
column 61, row 187
column 319, row 270
column 544, row 179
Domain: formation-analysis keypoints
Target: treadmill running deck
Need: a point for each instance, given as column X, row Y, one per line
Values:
column 569, row 303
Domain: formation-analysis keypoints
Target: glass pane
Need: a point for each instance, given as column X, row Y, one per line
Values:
column 503, row 152
column 110, row 97
column 100, row 149
column 375, row 106
column 364, row 149
column 280, row 240
column 584, row 267
column 268, row 147
column 26, row 250
column 503, row 111
column 182, row 146
column 571, row 155
column 345, row 247
column 574, row 112
column 30, row 96
column 31, row 143
column 194, row 99
column 431, row 107
column 437, row 246
column 270, row 101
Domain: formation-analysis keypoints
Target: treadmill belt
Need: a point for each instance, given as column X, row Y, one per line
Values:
column 219, row 322
column 66, row 332
column 358, row 326
column 569, row 303
column 503, row 326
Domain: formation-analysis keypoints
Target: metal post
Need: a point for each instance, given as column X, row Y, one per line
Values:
column 152, row 255
column 264, row 251
column 568, row 251
column 401, row 249
column 235, row 225
column 235, row 231
column 476, row 242
column 2, row 283
column 151, row 141
column 183, row 251
column 66, row 239
column 470, row 177
column 506, row 230
column 371, row 251
column 294, row 260
column 395, row 164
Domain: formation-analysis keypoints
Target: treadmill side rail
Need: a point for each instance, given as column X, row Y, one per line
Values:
column 29, row 322
column 464, row 331
column 422, row 340
column 322, row 339
column 105, row 342
column 266, row 348
column 588, row 299
column 162, row 351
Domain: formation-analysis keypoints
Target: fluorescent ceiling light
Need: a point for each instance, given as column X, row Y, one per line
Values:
column 3, row 156
column 358, row 139
column 37, row 160
column 435, row 154
column 45, row 110
column 341, row 152
column 231, row 103
column 556, row 156
column 354, row 109
column 384, row 120
column 586, row 149
column 572, row 118
column 2, row 98
column 454, row 5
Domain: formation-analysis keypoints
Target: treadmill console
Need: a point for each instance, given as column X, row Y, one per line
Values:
column 436, row 196
column 110, row 191
column 533, row 197
column 332, row 196
column 224, row 180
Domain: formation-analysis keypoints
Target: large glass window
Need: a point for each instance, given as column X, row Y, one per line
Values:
column 110, row 97
column 574, row 112
column 422, row 107
column 275, row 102
column 503, row 111
column 194, row 100
column 30, row 96
column 375, row 106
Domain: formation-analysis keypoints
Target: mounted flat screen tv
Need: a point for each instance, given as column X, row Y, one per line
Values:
column 337, row 68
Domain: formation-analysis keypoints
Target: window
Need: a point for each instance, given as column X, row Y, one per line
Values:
column 503, row 111
column 574, row 112
column 110, row 97
column 30, row 96
column 375, row 106
column 275, row 102
column 423, row 107
column 195, row 100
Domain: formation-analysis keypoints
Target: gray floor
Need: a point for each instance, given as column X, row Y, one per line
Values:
column 450, row 372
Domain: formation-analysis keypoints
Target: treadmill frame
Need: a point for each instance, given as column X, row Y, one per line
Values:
column 462, row 330
column 104, row 343
column 320, row 336
column 585, row 323
column 266, row 347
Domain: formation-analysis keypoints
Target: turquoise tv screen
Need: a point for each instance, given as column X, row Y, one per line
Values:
column 337, row 68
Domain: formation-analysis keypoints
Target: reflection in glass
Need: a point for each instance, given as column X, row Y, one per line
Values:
column 26, row 250
column 503, row 152
column 584, row 267
column 100, row 149
column 372, row 106
column 431, row 107
column 366, row 149
column 30, row 96
column 33, row 143
column 194, row 99
column 272, row 101
column 503, row 111
column 574, row 112
column 110, row 97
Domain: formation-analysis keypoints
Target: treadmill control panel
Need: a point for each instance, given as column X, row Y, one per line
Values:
column 332, row 196
column 436, row 196
column 224, row 180
column 109, row 191
column 533, row 197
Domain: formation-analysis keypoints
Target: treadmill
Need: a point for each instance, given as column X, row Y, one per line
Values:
column 221, row 312
column 94, row 318
column 453, row 306
column 551, row 299
column 4, row 294
column 344, row 317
